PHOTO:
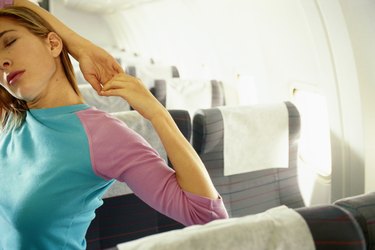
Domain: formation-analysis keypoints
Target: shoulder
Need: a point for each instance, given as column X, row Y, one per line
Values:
column 113, row 145
column 93, row 116
column 101, row 126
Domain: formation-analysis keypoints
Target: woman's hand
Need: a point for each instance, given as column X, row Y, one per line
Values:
column 97, row 66
column 135, row 93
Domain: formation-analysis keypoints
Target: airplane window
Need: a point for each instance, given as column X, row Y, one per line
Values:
column 315, row 145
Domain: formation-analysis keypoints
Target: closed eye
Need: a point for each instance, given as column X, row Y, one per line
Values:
column 10, row 43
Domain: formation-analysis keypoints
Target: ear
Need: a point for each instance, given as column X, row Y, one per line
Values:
column 55, row 44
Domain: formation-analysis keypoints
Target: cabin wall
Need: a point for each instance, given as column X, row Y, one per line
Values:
column 89, row 25
column 360, row 19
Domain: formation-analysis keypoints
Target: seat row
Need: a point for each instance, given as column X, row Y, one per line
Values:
column 173, row 93
column 246, row 193
column 124, row 217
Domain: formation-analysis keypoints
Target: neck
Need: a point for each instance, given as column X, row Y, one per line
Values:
column 57, row 101
column 59, row 92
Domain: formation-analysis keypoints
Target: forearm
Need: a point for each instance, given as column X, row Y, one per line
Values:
column 71, row 39
column 191, row 173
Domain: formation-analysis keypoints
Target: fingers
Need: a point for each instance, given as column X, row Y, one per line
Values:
column 118, row 69
column 98, row 83
column 94, row 82
column 117, row 83
column 125, row 86
column 112, row 92
column 114, row 83
column 121, row 81
column 97, row 75
column 108, row 76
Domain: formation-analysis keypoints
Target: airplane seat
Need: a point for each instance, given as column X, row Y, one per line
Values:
column 175, row 72
column 333, row 228
column 159, row 90
column 249, row 192
column 218, row 97
column 324, row 227
column 183, row 120
column 105, row 103
column 362, row 207
column 123, row 216
column 189, row 94
column 131, row 70
column 149, row 72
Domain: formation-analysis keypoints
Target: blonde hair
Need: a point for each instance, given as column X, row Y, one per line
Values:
column 13, row 110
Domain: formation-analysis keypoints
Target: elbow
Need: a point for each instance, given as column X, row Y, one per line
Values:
column 215, row 213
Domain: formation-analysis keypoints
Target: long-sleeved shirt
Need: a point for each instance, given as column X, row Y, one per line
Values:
column 56, row 166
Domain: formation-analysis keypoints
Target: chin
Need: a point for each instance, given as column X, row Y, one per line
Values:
column 24, row 95
column 27, row 99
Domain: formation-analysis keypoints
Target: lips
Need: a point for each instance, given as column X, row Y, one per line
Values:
column 13, row 76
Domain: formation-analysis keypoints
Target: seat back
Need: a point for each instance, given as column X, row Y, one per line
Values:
column 251, row 192
column 189, row 94
column 123, row 216
column 108, row 104
column 148, row 73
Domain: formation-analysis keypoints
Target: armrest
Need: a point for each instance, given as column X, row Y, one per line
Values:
column 333, row 228
column 362, row 207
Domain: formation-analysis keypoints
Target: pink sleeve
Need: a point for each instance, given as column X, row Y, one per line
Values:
column 119, row 153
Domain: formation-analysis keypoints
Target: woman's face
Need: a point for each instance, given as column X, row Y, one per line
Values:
column 27, row 62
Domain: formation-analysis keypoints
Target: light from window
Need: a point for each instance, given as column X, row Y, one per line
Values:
column 314, row 145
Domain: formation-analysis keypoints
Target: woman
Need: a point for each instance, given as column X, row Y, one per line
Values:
column 58, row 155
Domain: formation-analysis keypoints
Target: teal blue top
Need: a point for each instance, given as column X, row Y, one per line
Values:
column 55, row 168
column 48, row 188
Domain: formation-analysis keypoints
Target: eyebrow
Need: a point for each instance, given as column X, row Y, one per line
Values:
column 4, row 32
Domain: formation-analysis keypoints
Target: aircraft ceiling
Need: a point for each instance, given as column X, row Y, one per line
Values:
column 104, row 5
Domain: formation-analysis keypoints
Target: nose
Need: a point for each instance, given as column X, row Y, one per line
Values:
column 5, row 63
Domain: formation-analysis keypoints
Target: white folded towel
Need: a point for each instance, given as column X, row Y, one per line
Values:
column 190, row 95
column 105, row 103
column 255, row 137
column 279, row 228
